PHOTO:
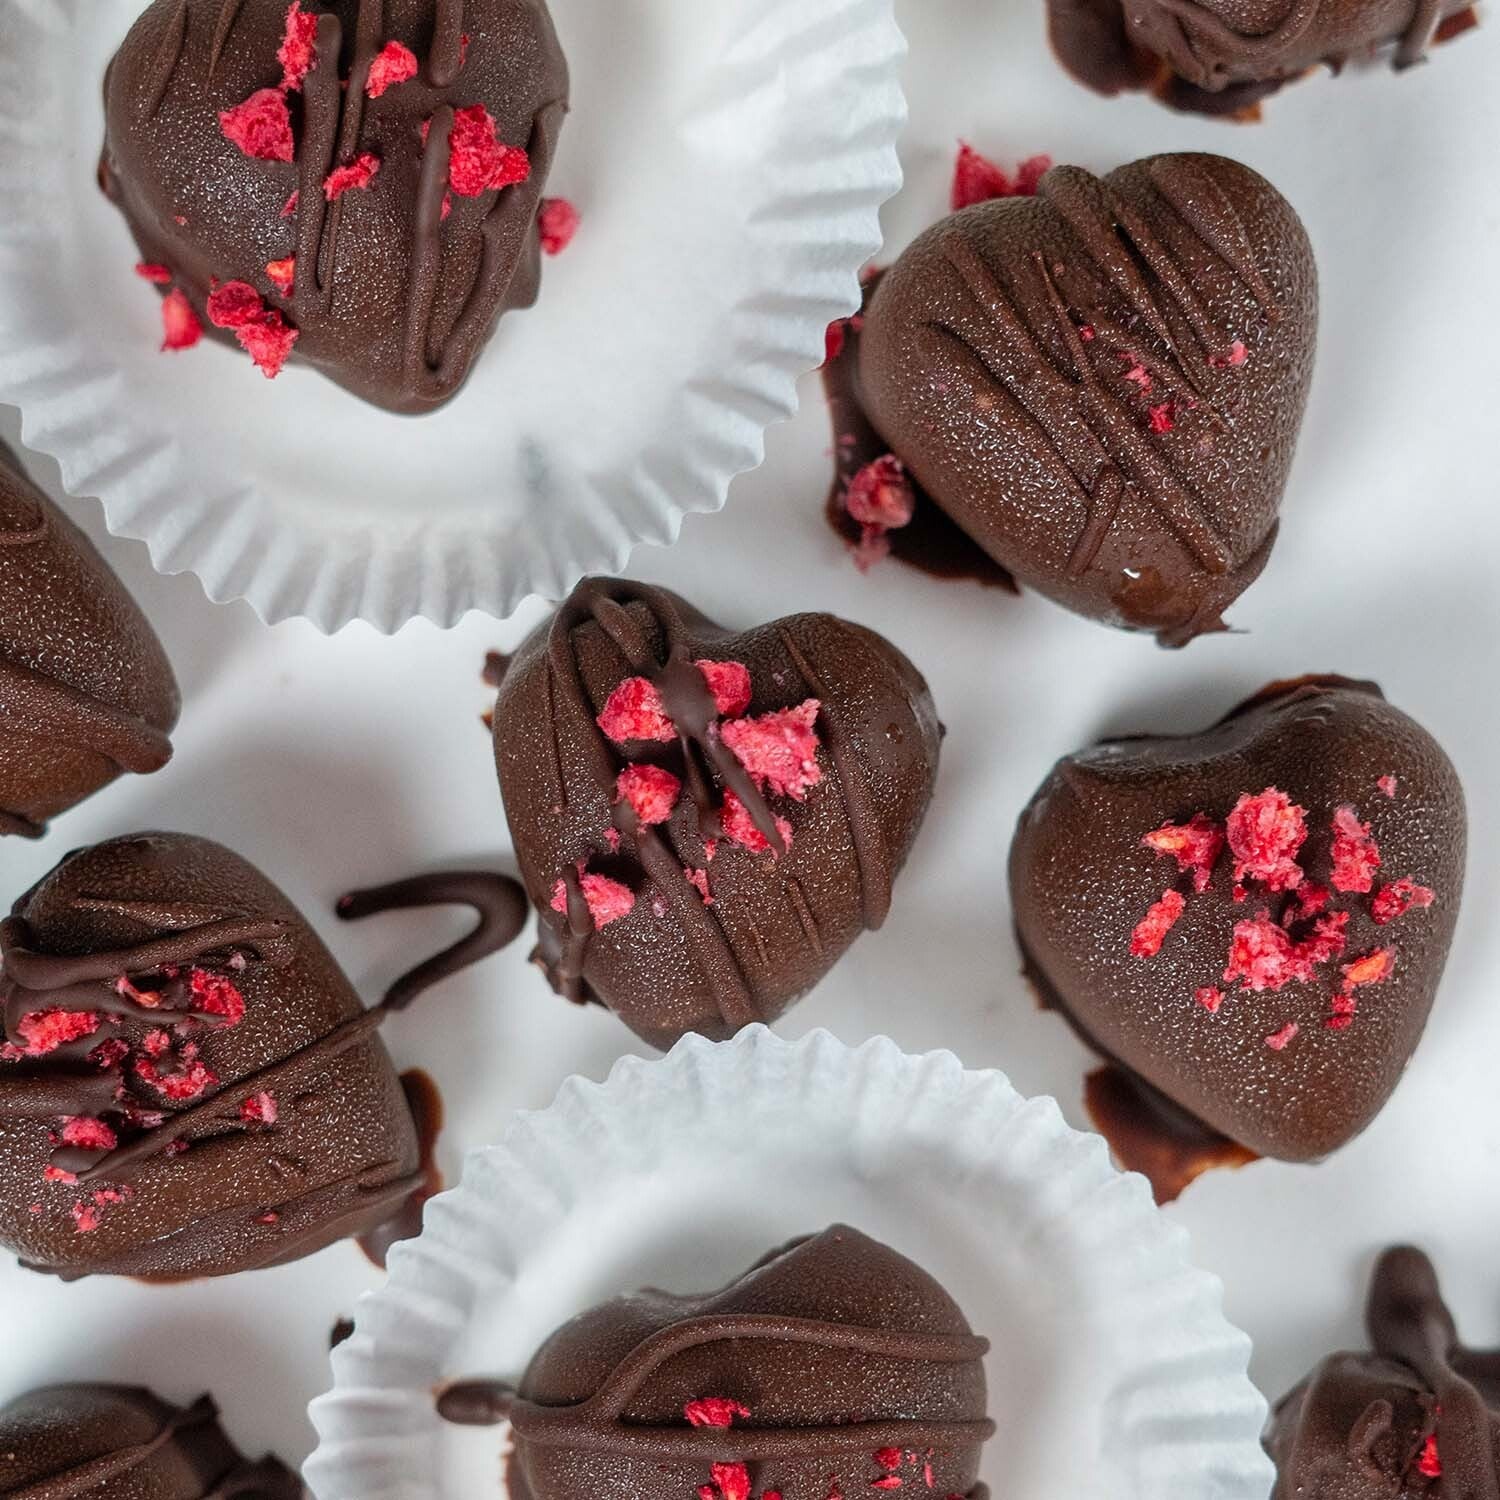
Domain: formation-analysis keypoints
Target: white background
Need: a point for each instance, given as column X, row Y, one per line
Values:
column 336, row 762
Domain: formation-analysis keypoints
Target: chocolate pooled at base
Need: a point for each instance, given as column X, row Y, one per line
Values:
column 189, row 1085
column 1102, row 386
column 705, row 821
column 86, row 691
column 1222, row 57
column 1417, row 1416
column 124, row 1443
column 833, row 1366
column 399, row 280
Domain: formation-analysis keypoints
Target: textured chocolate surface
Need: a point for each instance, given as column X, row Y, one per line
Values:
column 1082, row 879
column 1223, row 56
column 65, row 1442
column 1417, row 1416
column 392, row 299
column 86, row 691
column 779, row 919
column 843, row 1365
column 1103, row 385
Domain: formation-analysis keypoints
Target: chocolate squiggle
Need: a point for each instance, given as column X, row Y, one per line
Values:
column 33, row 704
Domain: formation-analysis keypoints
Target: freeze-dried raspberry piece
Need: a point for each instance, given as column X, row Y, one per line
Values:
column 977, row 179
column 1210, row 997
column 607, row 899
column 557, row 222
column 1312, row 898
column 234, row 305
column 88, row 1134
column 698, row 879
column 1387, row 785
column 1278, row 1041
column 1195, row 845
column 1163, row 417
column 261, row 127
column 1428, row 1462
column 268, row 343
column 351, row 177
column 650, row 791
column 44, row 1031
column 834, row 340
column 1356, row 856
column 85, row 1218
column 634, row 711
column 1325, row 942
column 180, row 325
column 729, row 682
column 881, row 494
column 155, row 274
column 1265, row 833
column 1231, row 358
column 1263, row 957
column 1138, row 375
column 298, row 54
column 214, row 995
column 713, row 1411
column 259, row 1109
column 1151, row 931
column 394, row 63
column 191, row 1079
column 779, row 749
column 478, row 160
column 732, row 1481
column 1398, row 898
column 1373, row 968
column 283, row 274
column 289, row 208
column 740, row 827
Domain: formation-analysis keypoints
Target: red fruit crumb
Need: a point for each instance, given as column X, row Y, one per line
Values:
column 886, row 1482
column 1398, row 898
column 157, row 1043
column 1151, row 931
column 180, row 324
column 740, row 828
column 1356, row 856
column 1387, row 784
column 56, row 1174
column 558, row 222
column 779, row 749
column 447, row 207
column 393, row 64
column 612, row 839
column 880, row 497
column 1325, row 943
column 269, row 1217
column 478, row 160
column 259, row 1109
column 698, row 879
column 607, row 899
column 1312, row 898
column 729, row 682
column 1373, row 968
column 634, row 711
column 1210, row 997
column 290, row 206
column 88, row 1134
column 44, row 1031
column 1278, row 1041
column 1343, row 1009
column 261, row 127
column 36, row 1208
column 158, row 275
column 834, row 339
column 283, row 274
column 179, row 1147
column 1086, row 333
column 1030, row 173
column 977, row 179
column 1265, row 832
column 1428, row 1462
column 1164, row 417
column 85, row 1218
column 927, row 1476
column 1239, row 895
column 215, row 995
column 888, row 1458
column 298, row 51
column 354, row 175
column 235, row 304
column 651, row 792
column 187, row 1082
column 110, row 1054
column 262, row 332
column 1234, row 356
column 713, row 1411
column 1262, row 956
column 1138, row 374
column 733, row 1481
column 1195, row 845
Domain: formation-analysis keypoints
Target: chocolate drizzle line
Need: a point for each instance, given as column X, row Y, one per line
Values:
column 39, row 706
column 445, row 56
column 1408, row 1321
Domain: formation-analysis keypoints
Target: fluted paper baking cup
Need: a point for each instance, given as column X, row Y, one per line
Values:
column 729, row 160
column 1112, row 1372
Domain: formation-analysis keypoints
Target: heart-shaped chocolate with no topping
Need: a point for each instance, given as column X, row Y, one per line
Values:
column 1103, row 385
column 1252, row 920
column 706, row 821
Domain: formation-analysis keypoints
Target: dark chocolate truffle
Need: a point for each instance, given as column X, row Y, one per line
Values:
column 360, row 178
column 1102, row 385
column 1252, row 920
column 86, row 691
column 127, row 1444
column 834, row 1366
column 189, row 1086
column 1417, row 1416
column 1221, row 57
column 706, row 821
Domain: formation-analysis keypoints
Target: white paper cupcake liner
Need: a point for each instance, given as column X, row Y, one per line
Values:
column 730, row 161
column 1112, row 1373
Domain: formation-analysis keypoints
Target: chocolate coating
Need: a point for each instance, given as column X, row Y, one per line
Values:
column 66, row 1442
column 836, row 1346
column 1103, row 385
column 392, row 300
column 1222, row 56
column 86, row 691
column 1081, row 880
column 778, row 921
column 1418, row 1415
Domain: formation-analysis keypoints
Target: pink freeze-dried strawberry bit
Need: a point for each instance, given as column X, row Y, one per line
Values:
column 44, row 1031
column 739, row 827
column 88, row 1134
column 1210, row 997
column 180, row 325
column 1262, row 956
column 157, row 275
column 215, row 995
column 189, row 1081
column 881, row 495
column 1162, row 418
column 478, row 161
column 729, row 682
column 732, row 1481
column 1265, row 833
column 1398, row 898
column 779, row 749
column 1373, row 968
column 698, row 879
column 283, row 274
column 298, row 54
column 395, row 63
column 1195, row 845
column 650, row 792
column 259, row 1109
column 1231, row 358
column 1387, row 786
column 352, row 177
column 634, row 711
column 85, row 1218
column 1356, row 856
column 977, row 179
column 1429, row 1464
column 1278, row 1041
column 607, row 899
column 261, row 127
column 1151, row 931
column 713, row 1411
column 557, row 223
column 261, row 331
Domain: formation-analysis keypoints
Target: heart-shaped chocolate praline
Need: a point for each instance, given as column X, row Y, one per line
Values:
column 1254, row 919
column 1103, row 385
column 704, row 820
column 86, row 691
column 357, row 181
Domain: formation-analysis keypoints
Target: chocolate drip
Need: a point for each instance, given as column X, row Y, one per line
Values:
column 446, row 55
column 1425, row 19
column 14, row 823
column 39, row 706
column 497, row 900
column 476, row 1403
